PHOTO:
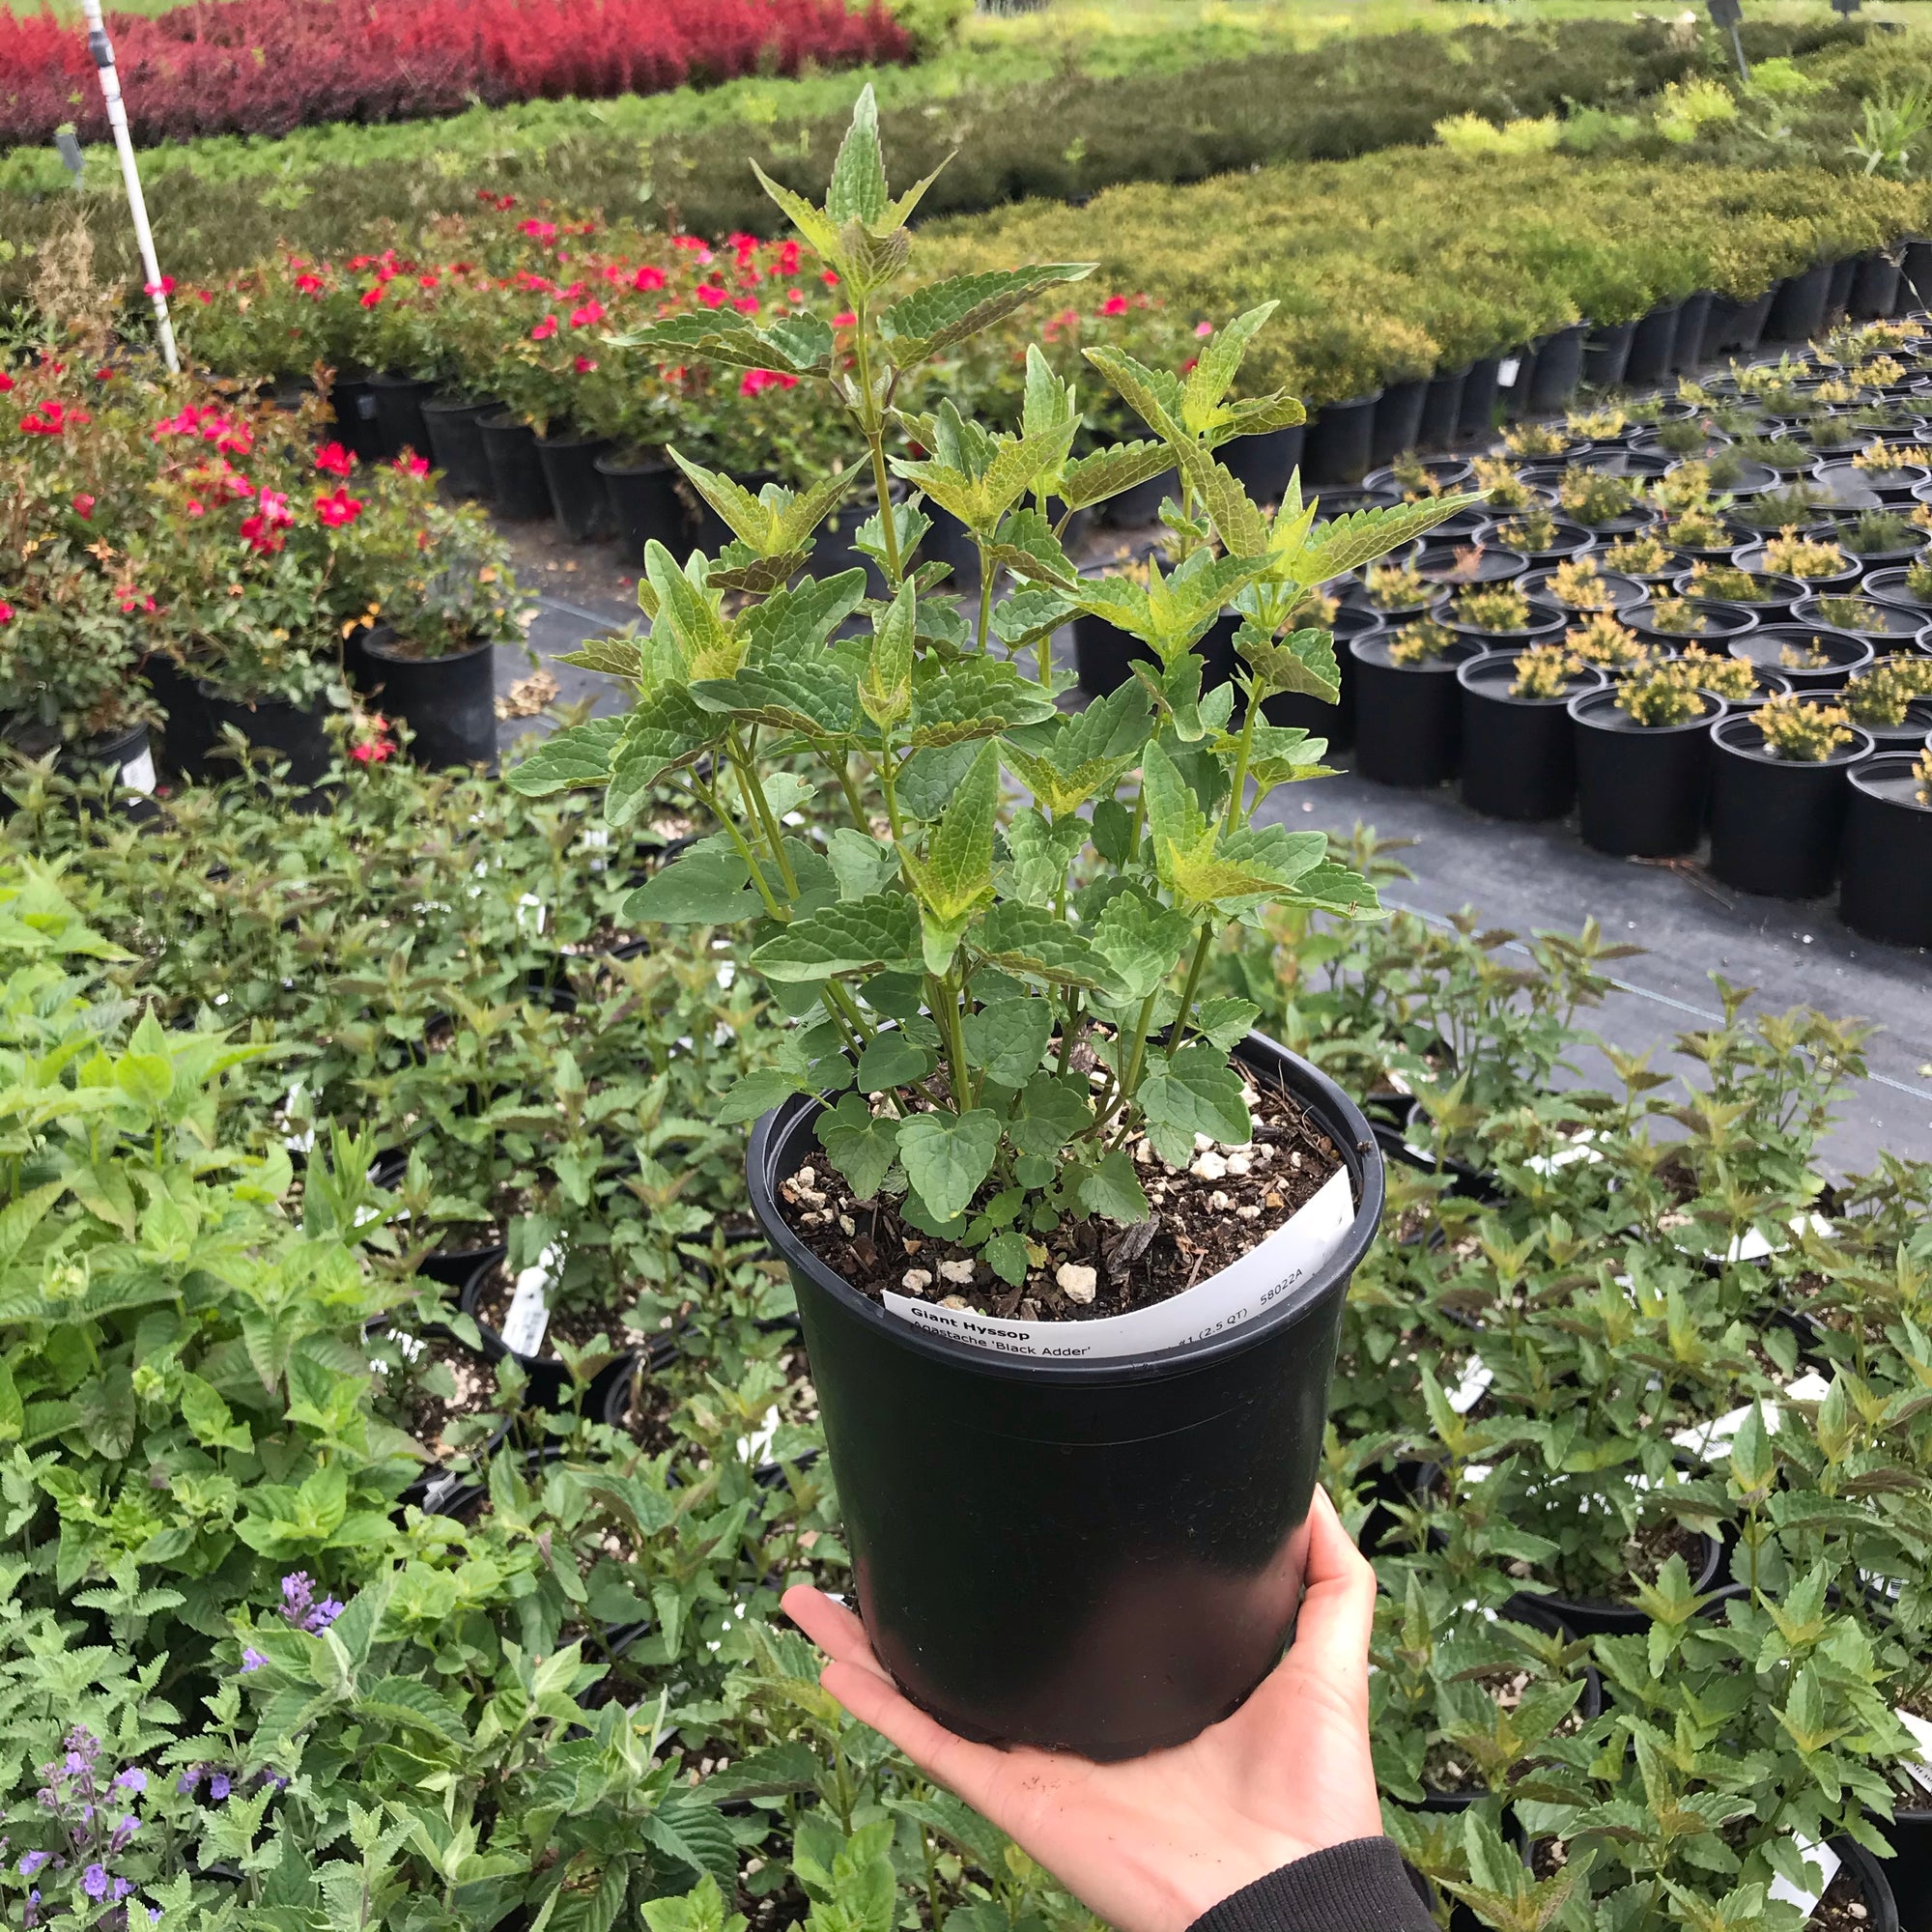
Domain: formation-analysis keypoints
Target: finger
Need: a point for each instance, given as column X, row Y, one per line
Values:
column 1338, row 1604
column 831, row 1626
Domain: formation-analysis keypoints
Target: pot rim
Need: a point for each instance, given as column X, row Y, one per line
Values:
column 1586, row 677
column 1895, row 765
column 1585, row 702
column 379, row 648
column 1347, row 1127
column 1837, row 759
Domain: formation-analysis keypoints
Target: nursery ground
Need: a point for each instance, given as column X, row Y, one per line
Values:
column 1525, row 878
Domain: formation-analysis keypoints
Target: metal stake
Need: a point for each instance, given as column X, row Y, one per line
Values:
column 103, row 50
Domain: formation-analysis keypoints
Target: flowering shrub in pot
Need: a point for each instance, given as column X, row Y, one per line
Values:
column 961, row 1177
column 1778, row 795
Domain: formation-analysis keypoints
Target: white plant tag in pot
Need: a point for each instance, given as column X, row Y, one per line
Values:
column 138, row 774
column 1240, row 1292
column 527, row 1317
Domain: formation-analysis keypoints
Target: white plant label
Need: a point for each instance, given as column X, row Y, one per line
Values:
column 138, row 774
column 1251, row 1287
column 1822, row 1859
column 527, row 1316
column 1918, row 1768
column 1507, row 371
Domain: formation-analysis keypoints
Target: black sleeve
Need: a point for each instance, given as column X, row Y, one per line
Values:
column 1360, row 1886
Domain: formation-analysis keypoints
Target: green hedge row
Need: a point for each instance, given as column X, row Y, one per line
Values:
column 1020, row 133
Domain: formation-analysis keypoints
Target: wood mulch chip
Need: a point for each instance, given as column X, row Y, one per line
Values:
column 1205, row 1217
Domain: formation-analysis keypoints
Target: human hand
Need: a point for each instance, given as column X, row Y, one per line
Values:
column 1149, row 1844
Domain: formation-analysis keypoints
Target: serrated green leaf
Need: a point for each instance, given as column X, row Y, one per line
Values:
column 1141, row 943
column 1193, row 1091
column 1030, row 943
column 1105, row 474
column 618, row 656
column 665, row 730
column 893, row 1061
column 1006, row 1041
column 1112, row 1189
column 710, row 886
column 751, row 1096
column 876, row 934
column 946, row 1157
column 942, row 313
column 860, row 1146
column 956, row 873
column 858, row 191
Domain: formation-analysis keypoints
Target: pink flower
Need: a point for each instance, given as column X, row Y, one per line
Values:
column 584, row 365
column 746, row 304
column 336, row 510
column 1204, row 328
column 648, row 279
column 6, row 611
column 83, row 505
column 826, row 277
column 6, row 382
column 758, row 379
column 543, row 329
column 539, row 231
column 788, row 258
column 1113, row 305
column 711, row 297
column 164, row 287
column 845, row 319
column 371, row 296
column 588, row 316
column 332, row 460
column 412, row 465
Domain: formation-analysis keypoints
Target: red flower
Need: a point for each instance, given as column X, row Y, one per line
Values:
column 164, row 287
column 338, row 509
column 428, row 281
column 538, row 231
column 826, row 277
column 788, row 258
column 756, row 380
column 308, row 284
column 6, row 611
column 371, row 296
column 6, row 382
column 1113, row 305
column 412, row 465
column 746, row 304
column 588, row 316
column 584, row 365
column 332, row 460
column 543, row 329
column 845, row 319
column 711, row 297
column 83, row 505
column 648, row 279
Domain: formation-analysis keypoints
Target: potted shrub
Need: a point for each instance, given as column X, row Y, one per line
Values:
column 1813, row 657
column 1668, row 621
column 1645, row 557
column 1779, row 796
column 1541, row 537
column 1407, row 713
column 1578, row 585
column 1396, row 590
column 1518, row 753
column 1459, row 565
column 1884, row 627
column 1885, row 890
column 1881, row 538
column 1699, row 532
column 965, row 1182
column 1643, row 758
column 1603, row 501
column 1909, row 587
column 1891, row 703
column 1768, row 596
column 1606, row 643
column 1820, row 565
column 1498, row 617
column 437, row 590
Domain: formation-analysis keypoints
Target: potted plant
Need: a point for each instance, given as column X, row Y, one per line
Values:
column 1578, row 585
column 1881, row 538
column 1499, row 617
column 1779, row 796
column 1820, row 565
column 1813, row 657
column 1408, row 712
column 1666, row 621
column 1885, row 890
column 1396, row 590
column 436, row 588
column 1891, row 703
column 1909, row 587
column 1771, row 597
column 1540, row 535
column 1602, row 500
column 1519, row 752
column 1644, row 757
column 1884, row 627
column 1645, row 557
column 1609, row 645
column 965, row 1182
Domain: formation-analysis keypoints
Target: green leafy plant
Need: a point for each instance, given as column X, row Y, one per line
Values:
column 1492, row 607
column 1532, row 530
column 1421, row 642
column 1876, row 532
column 1393, row 587
column 900, row 953
column 1594, row 496
column 1669, row 692
column 1678, row 616
column 1880, row 696
column 1544, row 672
column 1578, row 585
column 1641, row 555
column 1790, row 554
column 1609, row 645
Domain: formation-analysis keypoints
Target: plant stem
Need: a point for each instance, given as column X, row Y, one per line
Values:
column 942, row 999
column 986, row 598
column 745, row 851
column 754, row 793
column 875, row 440
column 1196, row 967
column 1242, row 756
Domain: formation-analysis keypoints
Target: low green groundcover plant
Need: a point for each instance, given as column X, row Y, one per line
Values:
column 899, row 952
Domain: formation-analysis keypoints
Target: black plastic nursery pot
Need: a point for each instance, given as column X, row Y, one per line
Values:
column 1559, row 368
column 1653, row 344
column 1262, row 463
column 1476, row 410
column 1874, row 289
column 1775, row 822
column 1101, row 1555
column 1798, row 311
column 1776, row 645
column 1606, row 355
column 1518, row 753
column 357, row 426
column 1593, row 1616
column 1340, row 441
column 549, row 1384
column 1912, row 733
column 1908, row 1870
column 1838, row 301
column 399, row 413
column 1441, row 409
column 1141, row 504
column 1336, row 723
column 518, row 491
column 449, row 703
column 456, row 444
column 1885, row 886
column 1398, row 424
column 1104, row 654
column 579, row 496
column 273, row 724
column 1693, row 321
column 644, row 503
column 1915, row 272
column 1409, row 718
column 1640, row 788
column 127, row 754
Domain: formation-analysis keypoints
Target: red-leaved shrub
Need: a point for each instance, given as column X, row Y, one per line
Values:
column 264, row 67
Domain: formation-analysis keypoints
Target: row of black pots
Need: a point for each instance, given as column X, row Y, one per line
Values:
column 1778, row 827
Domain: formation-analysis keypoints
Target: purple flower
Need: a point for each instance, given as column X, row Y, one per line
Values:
column 154, row 1914
column 31, row 1863
column 322, row 1617
column 82, row 1743
column 219, row 1786
column 124, row 1833
column 297, row 1596
column 94, row 1881
column 189, row 1781
column 30, row 1915
column 122, row 1888
column 252, row 1658
column 133, row 1778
